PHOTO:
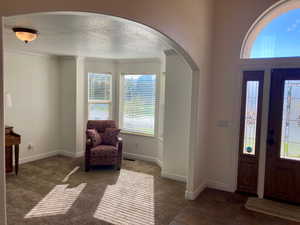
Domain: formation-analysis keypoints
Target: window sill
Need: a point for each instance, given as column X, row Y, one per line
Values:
column 137, row 134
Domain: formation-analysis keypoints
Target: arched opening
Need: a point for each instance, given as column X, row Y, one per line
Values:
column 55, row 44
column 275, row 34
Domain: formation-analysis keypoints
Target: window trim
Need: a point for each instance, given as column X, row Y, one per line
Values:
column 156, row 113
column 109, row 102
column 251, row 76
column 248, row 165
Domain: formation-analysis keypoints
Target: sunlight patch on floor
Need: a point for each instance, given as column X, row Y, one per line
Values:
column 58, row 201
column 70, row 174
column 128, row 202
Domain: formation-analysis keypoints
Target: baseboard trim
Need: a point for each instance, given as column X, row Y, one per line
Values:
column 50, row 154
column 220, row 186
column 67, row 153
column 159, row 163
column 173, row 176
column 79, row 154
column 38, row 157
column 192, row 195
column 71, row 154
column 144, row 158
column 140, row 157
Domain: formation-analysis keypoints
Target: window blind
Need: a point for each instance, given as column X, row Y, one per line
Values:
column 100, row 87
column 137, row 103
column 99, row 96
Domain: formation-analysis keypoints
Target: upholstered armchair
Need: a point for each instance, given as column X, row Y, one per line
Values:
column 103, row 145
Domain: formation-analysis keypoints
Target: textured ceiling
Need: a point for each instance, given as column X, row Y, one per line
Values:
column 87, row 35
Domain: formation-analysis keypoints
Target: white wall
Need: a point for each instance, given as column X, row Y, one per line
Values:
column 73, row 106
column 68, row 105
column 225, row 93
column 178, row 95
column 33, row 82
column 80, row 107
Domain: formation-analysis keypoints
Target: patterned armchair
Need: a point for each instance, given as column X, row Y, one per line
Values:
column 103, row 146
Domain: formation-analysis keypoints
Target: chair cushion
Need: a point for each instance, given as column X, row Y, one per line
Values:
column 101, row 125
column 104, row 151
column 95, row 136
column 110, row 136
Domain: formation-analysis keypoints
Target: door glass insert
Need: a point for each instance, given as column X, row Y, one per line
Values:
column 252, row 88
column 290, row 133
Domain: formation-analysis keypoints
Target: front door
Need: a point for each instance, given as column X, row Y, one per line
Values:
column 283, row 152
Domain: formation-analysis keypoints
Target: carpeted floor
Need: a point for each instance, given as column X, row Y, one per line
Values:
column 54, row 191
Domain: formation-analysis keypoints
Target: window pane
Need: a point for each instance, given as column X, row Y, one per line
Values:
column 138, row 99
column 99, row 111
column 99, row 86
column 279, row 38
column 290, row 139
column 251, row 117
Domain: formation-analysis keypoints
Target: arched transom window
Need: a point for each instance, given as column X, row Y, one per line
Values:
column 276, row 33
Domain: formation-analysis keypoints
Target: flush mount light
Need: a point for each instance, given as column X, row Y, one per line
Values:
column 25, row 34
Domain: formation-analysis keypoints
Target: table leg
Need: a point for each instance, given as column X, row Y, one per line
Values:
column 17, row 159
column 9, row 159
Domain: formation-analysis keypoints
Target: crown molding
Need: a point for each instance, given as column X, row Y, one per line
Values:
column 120, row 61
column 29, row 53
column 86, row 59
column 96, row 59
column 139, row 60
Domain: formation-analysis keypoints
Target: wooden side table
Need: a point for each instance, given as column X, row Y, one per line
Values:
column 12, row 141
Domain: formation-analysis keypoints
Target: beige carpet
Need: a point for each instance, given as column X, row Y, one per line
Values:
column 57, row 191
column 281, row 210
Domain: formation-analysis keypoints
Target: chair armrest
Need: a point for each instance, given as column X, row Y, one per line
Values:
column 120, row 152
column 119, row 143
column 88, row 143
column 88, row 146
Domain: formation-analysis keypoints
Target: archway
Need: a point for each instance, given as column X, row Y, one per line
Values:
column 193, row 145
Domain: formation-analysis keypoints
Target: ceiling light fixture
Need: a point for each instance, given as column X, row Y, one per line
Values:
column 25, row 34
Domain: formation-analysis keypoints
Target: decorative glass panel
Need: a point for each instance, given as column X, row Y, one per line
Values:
column 290, row 133
column 138, row 98
column 252, row 88
column 99, row 111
